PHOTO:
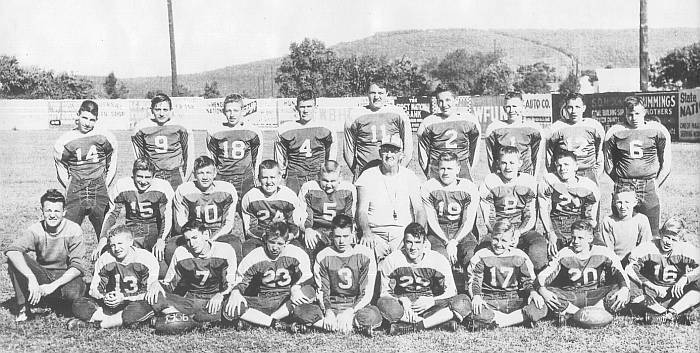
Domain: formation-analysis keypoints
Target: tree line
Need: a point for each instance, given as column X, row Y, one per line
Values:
column 312, row 65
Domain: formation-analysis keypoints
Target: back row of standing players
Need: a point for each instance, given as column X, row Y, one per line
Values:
column 633, row 153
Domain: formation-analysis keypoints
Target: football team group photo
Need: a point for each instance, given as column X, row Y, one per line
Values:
column 436, row 229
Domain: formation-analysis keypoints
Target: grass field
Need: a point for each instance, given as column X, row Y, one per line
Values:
column 28, row 171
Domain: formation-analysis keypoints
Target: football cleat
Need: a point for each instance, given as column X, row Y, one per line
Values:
column 399, row 328
column 22, row 315
column 367, row 331
column 279, row 325
column 481, row 326
column 563, row 319
column 659, row 319
column 242, row 325
column 296, row 327
column 449, row 326
column 74, row 324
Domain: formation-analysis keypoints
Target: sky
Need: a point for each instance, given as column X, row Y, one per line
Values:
column 130, row 37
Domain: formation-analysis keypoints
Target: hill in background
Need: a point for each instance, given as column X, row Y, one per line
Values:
column 595, row 48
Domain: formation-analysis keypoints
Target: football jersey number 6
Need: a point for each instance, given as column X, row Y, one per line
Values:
column 636, row 151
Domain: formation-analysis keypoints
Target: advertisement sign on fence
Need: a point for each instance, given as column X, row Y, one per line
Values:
column 689, row 115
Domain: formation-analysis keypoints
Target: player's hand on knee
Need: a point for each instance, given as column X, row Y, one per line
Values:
column 537, row 299
column 329, row 321
column 297, row 297
column 235, row 304
column 677, row 289
column 47, row 289
column 620, row 298
column 368, row 239
column 549, row 298
column 35, row 291
column 345, row 321
column 159, row 249
column 408, row 312
column 310, row 238
column 422, row 304
column 154, row 290
column 214, row 304
column 477, row 304
column 451, row 251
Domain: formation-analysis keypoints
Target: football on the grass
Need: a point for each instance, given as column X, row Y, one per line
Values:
column 592, row 317
column 173, row 324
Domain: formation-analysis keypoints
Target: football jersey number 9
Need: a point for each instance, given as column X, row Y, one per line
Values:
column 345, row 276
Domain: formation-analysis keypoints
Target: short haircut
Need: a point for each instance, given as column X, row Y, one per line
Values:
column 52, row 195
column 573, row 96
column 89, row 106
column 625, row 188
column 342, row 221
column 233, row 98
column 565, row 154
column 506, row 150
column 513, row 94
column 414, row 229
column 501, row 227
column 203, row 161
column 267, row 164
column 161, row 97
column 329, row 166
column 632, row 101
column 448, row 156
column 120, row 229
column 194, row 224
column 381, row 84
column 306, row 95
column 674, row 225
column 277, row 230
column 143, row 163
column 582, row 225
column 441, row 88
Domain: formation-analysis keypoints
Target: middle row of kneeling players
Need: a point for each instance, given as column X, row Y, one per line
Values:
column 418, row 291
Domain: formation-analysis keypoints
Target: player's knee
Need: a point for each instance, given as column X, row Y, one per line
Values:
column 390, row 308
column 368, row 316
column 203, row 315
column 533, row 314
column 485, row 315
column 608, row 301
column 236, row 313
column 83, row 308
column 461, row 306
column 74, row 290
column 564, row 298
column 307, row 313
column 136, row 311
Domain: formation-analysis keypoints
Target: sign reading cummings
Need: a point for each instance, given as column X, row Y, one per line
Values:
column 689, row 115
column 664, row 106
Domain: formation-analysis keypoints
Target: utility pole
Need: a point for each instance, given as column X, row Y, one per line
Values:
column 173, row 65
column 643, row 47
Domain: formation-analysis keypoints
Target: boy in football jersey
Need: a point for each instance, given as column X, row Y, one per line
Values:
column 418, row 291
column 271, row 280
column 450, row 207
column 448, row 131
column 147, row 202
column 166, row 143
column 236, row 147
column 209, row 201
column 582, row 275
column 512, row 194
column 345, row 274
column 581, row 136
column 267, row 203
column 664, row 275
column 325, row 198
column 302, row 146
column 516, row 132
column 56, row 274
column 369, row 126
column 201, row 274
column 119, row 284
column 625, row 229
column 86, row 162
column 501, row 284
column 565, row 197
column 388, row 199
column 638, row 155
